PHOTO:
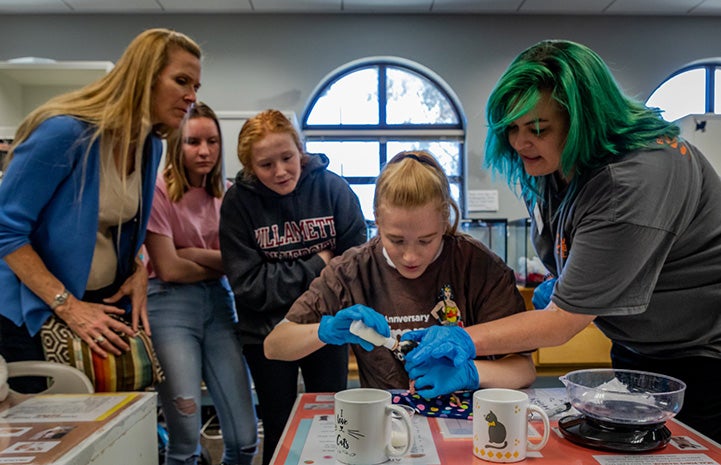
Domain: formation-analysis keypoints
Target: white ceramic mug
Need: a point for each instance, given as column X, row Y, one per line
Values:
column 363, row 427
column 500, row 425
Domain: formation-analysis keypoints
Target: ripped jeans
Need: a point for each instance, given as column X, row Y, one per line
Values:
column 193, row 330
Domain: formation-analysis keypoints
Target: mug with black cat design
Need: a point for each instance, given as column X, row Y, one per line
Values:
column 500, row 425
column 363, row 427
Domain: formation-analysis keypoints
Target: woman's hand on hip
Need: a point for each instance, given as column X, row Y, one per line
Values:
column 94, row 325
column 135, row 287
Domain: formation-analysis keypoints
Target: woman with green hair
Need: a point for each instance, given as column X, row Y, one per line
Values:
column 625, row 215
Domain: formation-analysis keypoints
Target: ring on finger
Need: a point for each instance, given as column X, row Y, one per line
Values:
column 99, row 340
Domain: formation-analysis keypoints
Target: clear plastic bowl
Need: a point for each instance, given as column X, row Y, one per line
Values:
column 624, row 396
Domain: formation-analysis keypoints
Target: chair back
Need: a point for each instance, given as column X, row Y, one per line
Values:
column 64, row 379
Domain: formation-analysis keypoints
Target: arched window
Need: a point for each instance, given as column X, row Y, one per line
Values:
column 693, row 89
column 368, row 110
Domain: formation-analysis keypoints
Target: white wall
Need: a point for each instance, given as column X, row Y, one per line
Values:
column 254, row 62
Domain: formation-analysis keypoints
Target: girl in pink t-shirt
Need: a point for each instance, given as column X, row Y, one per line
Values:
column 190, row 305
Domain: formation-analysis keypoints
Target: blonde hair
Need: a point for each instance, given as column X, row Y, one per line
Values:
column 414, row 179
column 118, row 105
column 176, row 175
column 259, row 126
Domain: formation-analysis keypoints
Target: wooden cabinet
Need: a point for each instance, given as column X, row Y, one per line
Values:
column 26, row 85
column 587, row 349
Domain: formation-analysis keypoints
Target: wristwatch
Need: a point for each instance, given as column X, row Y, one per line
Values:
column 60, row 299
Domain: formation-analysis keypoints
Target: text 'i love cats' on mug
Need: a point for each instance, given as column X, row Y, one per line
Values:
column 363, row 427
column 500, row 425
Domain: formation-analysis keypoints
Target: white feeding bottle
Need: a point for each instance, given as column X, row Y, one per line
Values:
column 399, row 349
column 369, row 334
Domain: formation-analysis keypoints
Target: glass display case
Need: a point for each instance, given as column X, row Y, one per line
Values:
column 491, row 232
column 521, row 254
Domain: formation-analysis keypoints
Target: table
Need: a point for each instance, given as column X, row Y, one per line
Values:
column 80, row 429
column 308, row 439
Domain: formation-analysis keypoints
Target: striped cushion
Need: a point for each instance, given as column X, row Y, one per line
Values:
column 134, row 370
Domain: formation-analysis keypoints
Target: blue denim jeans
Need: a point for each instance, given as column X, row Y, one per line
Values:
column 193, row 330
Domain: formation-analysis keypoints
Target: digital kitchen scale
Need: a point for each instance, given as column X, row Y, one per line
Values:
column 604, row 435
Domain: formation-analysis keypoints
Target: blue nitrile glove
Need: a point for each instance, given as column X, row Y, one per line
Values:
column 542, row 294
column 450, row 343
column 439, row 377
column 336, row 329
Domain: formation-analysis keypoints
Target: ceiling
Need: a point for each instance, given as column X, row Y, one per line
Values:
column 531, row 7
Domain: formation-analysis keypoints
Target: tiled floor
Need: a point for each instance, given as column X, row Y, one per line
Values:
column 214, row 446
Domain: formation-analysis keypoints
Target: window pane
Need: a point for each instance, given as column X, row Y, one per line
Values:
column 354, row 158
column 448, row 153
column 681, row 95
column 352, row 99
column 456, row 195
column 717, row 91
column 365, row 195
column 413, row 99
column 350, row 116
